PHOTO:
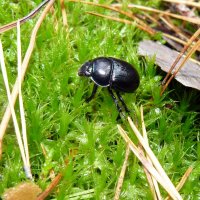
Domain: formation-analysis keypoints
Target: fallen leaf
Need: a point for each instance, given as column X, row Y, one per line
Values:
column 189, row 75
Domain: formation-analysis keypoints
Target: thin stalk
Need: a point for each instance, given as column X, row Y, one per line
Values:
column 189, row 54
column 174, row 28
column 154, row 159
column 25, row 62
column 148, row 166
column 155, row 184
column 64, row 14
column 189, row 3
column 24, row 19
column 125, row 21
column 137, row 21
column 16, row 126
column 145, row 8
column 149, row 176
column 183, row 180
column 21, row 104
column 122, row 174
column 49, row 189
column 187, row 45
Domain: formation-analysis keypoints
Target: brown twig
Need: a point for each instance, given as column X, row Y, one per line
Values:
column 57, row 179
column 152, row 18
column 24, row 19
column 195, row 35
column 125, row 21
column 189, row 54
column 49, row 189
column 15, row 91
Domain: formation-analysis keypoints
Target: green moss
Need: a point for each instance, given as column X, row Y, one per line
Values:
column 59, row 119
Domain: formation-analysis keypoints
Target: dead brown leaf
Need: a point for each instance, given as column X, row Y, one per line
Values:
column 189, row 75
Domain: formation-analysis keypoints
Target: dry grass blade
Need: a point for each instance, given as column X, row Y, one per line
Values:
column 151, row 184
column 153, row 158
column 184, row 18
column 189, row 54
column 15, row 91
column 174, row 38
column 21, row 104
column 189, row 3
column 125, row 21
column 174, row 28
column 149, row 177
column 183, row 180
column 149, row 167
column 122, row 174
column 148, row 17
column 154, row 188
column 24, row 19
column 16, row 126
column 140, row 24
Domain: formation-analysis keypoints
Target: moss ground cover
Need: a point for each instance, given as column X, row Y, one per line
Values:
column 59, row 120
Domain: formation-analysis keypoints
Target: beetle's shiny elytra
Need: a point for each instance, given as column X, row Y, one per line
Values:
column 113, row 73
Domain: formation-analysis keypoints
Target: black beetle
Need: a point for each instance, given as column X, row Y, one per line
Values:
column 113, row 73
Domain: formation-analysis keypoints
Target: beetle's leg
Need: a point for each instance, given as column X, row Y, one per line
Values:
column 122, row 101
column 115, row 100
column 93, row 93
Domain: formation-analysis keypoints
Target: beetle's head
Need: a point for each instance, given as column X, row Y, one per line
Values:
column 86, row 69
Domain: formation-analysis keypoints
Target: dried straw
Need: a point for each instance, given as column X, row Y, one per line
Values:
column 189, row 3
column 153, row 183
column 16, row 126
column 15, row 91
column 145, row 8
column 122, row 174
column 170, row 189
column 154, row 160
column 21, row 104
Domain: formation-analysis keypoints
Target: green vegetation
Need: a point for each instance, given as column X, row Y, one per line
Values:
column 59, row 119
